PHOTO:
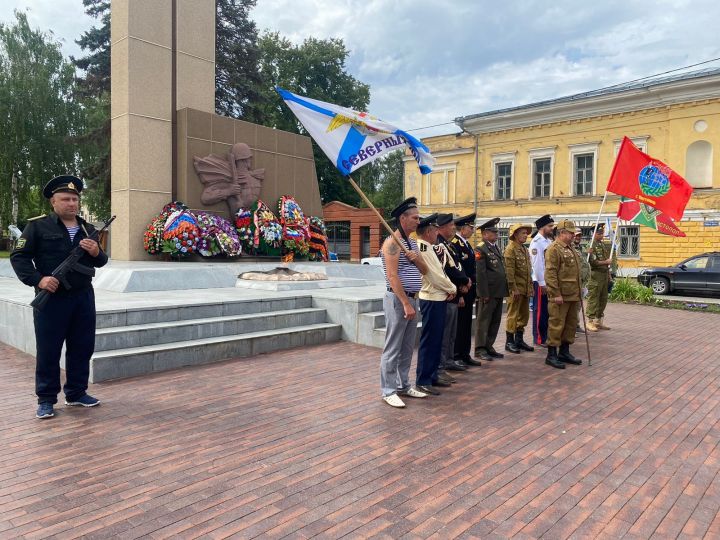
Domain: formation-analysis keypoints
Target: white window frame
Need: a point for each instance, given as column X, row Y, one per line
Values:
column 504, row 157
column 541, row 153
column 622, row 233
column 580, row 149
column 641, row 141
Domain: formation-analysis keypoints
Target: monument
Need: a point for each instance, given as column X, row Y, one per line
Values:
column 162, row 118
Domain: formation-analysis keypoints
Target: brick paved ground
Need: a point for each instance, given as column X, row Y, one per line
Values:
column 298, row 443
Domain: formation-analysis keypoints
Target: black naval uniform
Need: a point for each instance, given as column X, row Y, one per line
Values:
column 459, row 279
column 492, row 284
column 69, row 315
column 464, row 324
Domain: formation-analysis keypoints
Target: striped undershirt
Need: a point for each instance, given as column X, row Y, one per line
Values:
column 410, row 276
column 72, row 231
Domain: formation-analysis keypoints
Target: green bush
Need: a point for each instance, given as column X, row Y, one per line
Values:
column 629, row 290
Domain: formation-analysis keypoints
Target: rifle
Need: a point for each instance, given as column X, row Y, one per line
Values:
column 70, row 264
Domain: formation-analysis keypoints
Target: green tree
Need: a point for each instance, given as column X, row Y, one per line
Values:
column 93, row 92
column 237, row 79
column 315, row 68
column 388, row 191
column 38, row 113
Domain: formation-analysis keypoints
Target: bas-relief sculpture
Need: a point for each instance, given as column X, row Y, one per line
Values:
column 230, row 178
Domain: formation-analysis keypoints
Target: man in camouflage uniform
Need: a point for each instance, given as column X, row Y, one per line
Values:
column 519, row 280
column 584, row 274
column 562, row 281
column 600, row 266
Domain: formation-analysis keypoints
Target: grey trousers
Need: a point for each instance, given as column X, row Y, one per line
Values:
column 448, row 347
column 488, row 323
column 399, row 345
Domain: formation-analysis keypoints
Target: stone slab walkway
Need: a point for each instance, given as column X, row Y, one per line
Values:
column 298, row 444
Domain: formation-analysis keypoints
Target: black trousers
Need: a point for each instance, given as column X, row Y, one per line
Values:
column 464, row 328
column 67, row 318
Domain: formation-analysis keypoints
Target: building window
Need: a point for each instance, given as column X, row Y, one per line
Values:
column 698, row 164
column 541, row 177
column 641, row 142
column 629, row 245
column 503, row 239
column 584, row 173
column 503, row 180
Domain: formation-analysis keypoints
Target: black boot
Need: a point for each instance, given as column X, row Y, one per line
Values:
column 510, row 343
column 520, row 343
column 566, row 357
column 552, row 358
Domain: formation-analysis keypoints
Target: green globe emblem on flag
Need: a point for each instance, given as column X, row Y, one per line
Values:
column 654, row 182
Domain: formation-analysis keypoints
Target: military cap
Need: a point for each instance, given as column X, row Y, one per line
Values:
column 601, row 227
column 518, row 226
column 63, row 184
column 465, row 220
column 578, row 232
column 565, row 224
column 490, row 225
column 428, row 220
column 444, row 219
column 407, row 204
column 544, row 220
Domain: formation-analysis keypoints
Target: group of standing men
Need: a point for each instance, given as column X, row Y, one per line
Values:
column 442, row 276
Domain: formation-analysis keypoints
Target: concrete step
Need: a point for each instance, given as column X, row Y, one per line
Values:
column 373, row 328
column 121, row 363
column 140, row 335
column 179, row 312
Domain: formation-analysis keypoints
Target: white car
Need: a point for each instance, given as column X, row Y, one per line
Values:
column 374, row 261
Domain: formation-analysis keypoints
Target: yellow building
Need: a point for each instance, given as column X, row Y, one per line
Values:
column 555, row 157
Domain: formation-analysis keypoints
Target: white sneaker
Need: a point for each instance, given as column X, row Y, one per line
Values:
column 414, row 392
column 394, row 401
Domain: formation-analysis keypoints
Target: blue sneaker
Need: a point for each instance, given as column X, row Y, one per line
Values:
column 84, row 401
column 45, row 410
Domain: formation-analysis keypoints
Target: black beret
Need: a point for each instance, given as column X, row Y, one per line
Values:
column 490, row 225
column 465, row 220
column 407, row 204
column 444, row 219
column 429, row 220
column 544, row 220
column 65, row 183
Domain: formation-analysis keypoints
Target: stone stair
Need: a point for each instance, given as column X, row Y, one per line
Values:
column 138, row 341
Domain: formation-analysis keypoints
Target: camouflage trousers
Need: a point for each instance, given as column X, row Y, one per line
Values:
column 597, row 298
column 562, row 323
column 518, row 313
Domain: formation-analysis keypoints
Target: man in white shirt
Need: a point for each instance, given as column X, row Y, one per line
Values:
column 540, row 242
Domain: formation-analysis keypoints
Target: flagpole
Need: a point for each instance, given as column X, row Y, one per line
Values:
column 592, row 238
column 379, row 215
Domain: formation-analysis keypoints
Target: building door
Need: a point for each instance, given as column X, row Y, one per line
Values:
column 338, row 235
column 364, row 242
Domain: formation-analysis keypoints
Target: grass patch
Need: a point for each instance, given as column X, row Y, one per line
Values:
column 629, row 291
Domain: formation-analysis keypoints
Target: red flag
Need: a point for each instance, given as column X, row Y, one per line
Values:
column 643, row 214
column 649, row 181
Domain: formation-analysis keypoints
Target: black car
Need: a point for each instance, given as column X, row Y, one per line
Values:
column 700, row 273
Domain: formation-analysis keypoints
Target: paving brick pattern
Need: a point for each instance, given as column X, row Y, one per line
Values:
column 298, row 444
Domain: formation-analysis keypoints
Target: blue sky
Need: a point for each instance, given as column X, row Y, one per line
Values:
column 430, row 61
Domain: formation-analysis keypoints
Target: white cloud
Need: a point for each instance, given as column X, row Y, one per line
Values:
column 429, row 61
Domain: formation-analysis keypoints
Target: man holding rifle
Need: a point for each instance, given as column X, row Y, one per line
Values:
column 69, row 315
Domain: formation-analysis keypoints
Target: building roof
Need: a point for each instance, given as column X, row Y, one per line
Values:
column 634, row 95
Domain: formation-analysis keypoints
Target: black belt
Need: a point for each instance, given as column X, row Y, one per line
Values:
column 408, row 294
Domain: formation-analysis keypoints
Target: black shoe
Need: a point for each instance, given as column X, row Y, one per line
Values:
column 471, row 362
column 455, row 366
column 442, row 383
column 445, row 376
column 520, row 342
column 566, row 356
column 579, row 330
column 510, row 343
column 494, row 354
column 552, row 358
column 427, row 390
